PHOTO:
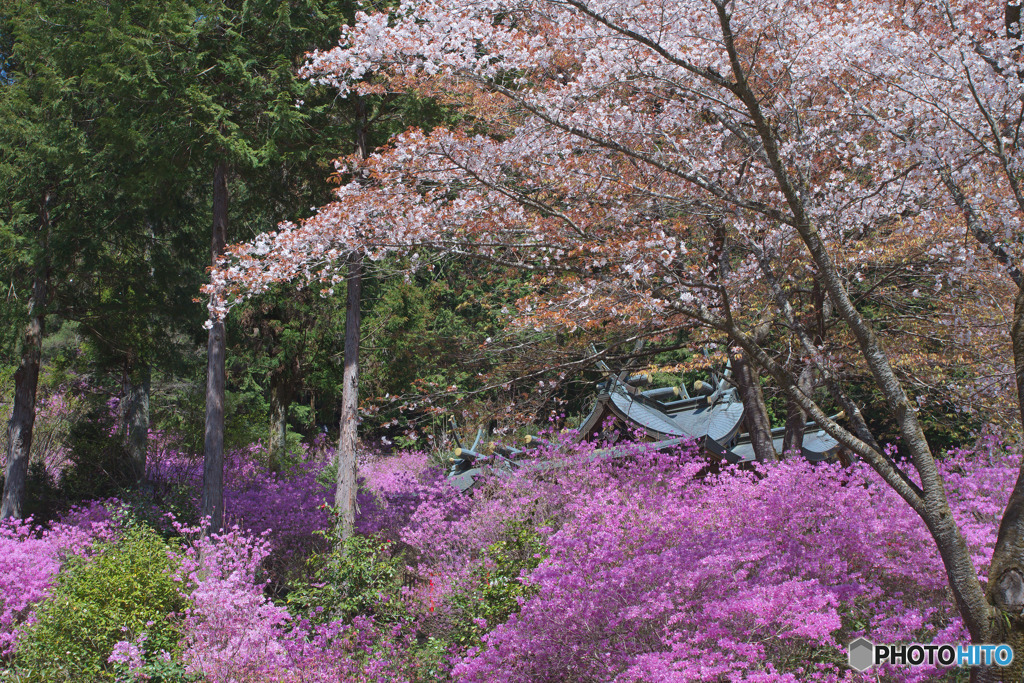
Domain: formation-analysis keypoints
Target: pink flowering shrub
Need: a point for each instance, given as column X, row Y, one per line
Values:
column 233, row 633
column 658, row 572
column 289, row 508
column 362, row 650
column 57, row 412
column 54, row 418
column 392, row 489
column 648, row 568
column 122, row 591
column 31, row 557
column 655, row 574
column 232, row 630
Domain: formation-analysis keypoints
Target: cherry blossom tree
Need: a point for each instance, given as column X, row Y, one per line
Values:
column 696, row 163
column 962, row 118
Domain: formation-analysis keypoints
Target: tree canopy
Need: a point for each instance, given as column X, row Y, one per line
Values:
column 825, row 188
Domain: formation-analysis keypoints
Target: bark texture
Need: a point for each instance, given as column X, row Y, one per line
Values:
column 755, row 412
column 345, row 495
column 23, row 416
column 212, row 505
column 280, row 399
column 796, row 416
column 135, row 418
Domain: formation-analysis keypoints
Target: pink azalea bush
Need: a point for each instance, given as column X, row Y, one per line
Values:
column 231, row 629
column 360, row 651
column 392, row 489
column 56, row 414
column 287, row 508
column 655, row 574
column 31, row 557
column 652, row 568
column 655, row 571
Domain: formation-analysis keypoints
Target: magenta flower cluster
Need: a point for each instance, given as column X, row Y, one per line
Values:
column 654, row 569
column 657, row 573
column 287, row 508
column 31, row 557
column 232, row 629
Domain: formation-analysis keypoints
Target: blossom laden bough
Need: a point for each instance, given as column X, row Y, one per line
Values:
column 697, row 162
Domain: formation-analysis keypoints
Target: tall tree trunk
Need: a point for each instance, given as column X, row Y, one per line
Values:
column 135, row 417
column 754, row 409
column 23, row 416
column 929, row 497
column 345, row 495
column 280, row 398
column 1005, row 589
column 796, row 416
column 213, row 449
column 755, row 413
column 26, row 380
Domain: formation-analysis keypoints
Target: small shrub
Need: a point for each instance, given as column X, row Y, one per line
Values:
column 30, row 559
column 288, row 506
column 125, row 593
column 232, row 631
column 98, row 464
column 495, row 588
column 358, row 576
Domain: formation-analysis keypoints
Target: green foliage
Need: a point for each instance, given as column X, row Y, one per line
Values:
column 42, row 494
column 159, row 670
column 179, row 409
column 945, row 425
column 496, row 589
column 424, row 335
column 123, row 593
column 361, row 575
column 432, row 657
column 287, row 342
column 99, row 466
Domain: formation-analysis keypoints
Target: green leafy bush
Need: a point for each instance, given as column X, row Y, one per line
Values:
column 126, row 592
column 358, row 576
column 99, row 464
column 495, row 588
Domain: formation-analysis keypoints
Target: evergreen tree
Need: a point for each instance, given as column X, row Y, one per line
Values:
column 258, row 124
column 117, row 115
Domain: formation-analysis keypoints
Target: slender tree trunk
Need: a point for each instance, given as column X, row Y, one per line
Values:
column 135, row 417
column 23, row 416
column 755, row 413
column 754, row 409
column 1005, row 589
column 345, row 496
column 213, row 451
column 930, row 501
column 280, row 398
column 796, row 416
column 26, row 380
